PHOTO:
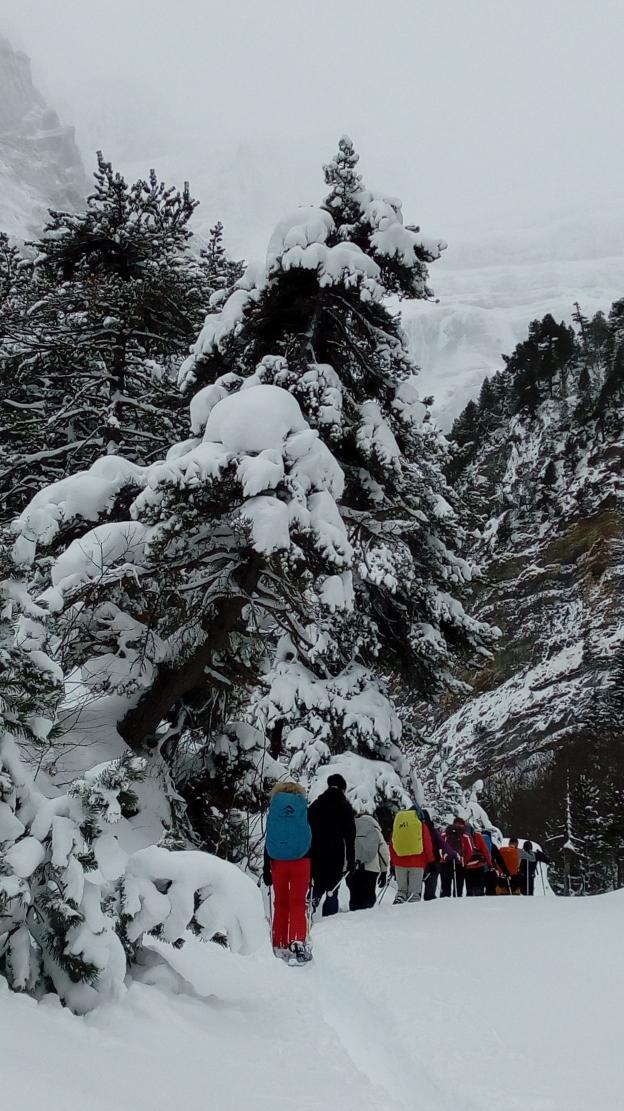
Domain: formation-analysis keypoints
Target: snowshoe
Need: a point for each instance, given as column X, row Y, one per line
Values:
column 299, row 952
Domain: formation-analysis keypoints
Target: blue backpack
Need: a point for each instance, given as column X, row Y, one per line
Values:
column 487, row 837
column 288, row 833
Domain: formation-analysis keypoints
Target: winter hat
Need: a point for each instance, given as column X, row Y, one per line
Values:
column 459, row 823
column 338, row 781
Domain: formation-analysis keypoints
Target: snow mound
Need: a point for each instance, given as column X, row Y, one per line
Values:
column 254, row 420
column 300, row 228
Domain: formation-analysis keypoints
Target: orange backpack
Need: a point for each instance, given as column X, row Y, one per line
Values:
column 511, row 856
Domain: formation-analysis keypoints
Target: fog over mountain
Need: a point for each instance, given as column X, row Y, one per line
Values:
column 495, row 123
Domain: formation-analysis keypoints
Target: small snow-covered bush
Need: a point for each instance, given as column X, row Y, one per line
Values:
column 75, row 906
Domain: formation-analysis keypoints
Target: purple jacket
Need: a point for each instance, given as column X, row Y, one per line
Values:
column 440, row 844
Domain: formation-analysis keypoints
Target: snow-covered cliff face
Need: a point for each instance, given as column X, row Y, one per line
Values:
column 543, row 719
column 40, row 165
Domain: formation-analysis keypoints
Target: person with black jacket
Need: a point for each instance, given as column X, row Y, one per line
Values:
column 529, row 860
column 332, row 821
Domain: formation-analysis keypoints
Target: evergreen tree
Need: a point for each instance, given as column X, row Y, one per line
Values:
column 582, row 325
column 599, row 336
column 465, row 431
column 616, row 323
column 14, row 276
column 612, row 392
column 85, row 364
column 489, row 407
column 538, row 360
column 346, row 183
column 220, row 272
column 585, row 402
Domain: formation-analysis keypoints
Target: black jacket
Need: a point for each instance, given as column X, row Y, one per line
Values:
column 332, row 822
column 530, row 860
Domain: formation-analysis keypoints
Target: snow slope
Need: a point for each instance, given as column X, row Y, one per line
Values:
column 471, row 1005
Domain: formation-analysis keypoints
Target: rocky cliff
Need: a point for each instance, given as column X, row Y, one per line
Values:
column 540, row 460
column 40, row 164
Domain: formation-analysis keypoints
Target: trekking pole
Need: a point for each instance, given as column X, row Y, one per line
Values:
column 309, row 915
column 454, row 878
column 380, row 898
column 542, row 878
column 334, row 889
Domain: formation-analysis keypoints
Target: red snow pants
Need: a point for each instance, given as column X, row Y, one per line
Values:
column 291, row 881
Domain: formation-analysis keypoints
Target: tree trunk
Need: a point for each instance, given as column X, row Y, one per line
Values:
column 173, row 682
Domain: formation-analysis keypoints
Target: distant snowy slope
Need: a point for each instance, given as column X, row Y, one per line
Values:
column 488, row 292
column 458, row 1005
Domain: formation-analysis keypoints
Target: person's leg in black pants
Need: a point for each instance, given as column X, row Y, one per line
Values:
column 362, row 889
column 475, row 881
column 430, row 885
column 446, row 880
column 452, row 879
column 491, row 880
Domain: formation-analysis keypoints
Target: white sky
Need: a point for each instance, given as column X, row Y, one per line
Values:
column 478, row 113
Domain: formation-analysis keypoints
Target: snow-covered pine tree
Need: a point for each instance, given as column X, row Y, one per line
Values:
column 86, row 360
column 345, row 181
column 314, row 321
column 220, row 272
column 14, row 276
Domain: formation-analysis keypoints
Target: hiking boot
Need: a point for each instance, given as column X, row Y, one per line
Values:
column 300, row 952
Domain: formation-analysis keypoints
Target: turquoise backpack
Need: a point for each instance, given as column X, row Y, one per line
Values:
column 288, row 833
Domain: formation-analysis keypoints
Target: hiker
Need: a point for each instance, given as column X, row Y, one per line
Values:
column 442, row 850
column 371, row 863
column 512, row 881
column 530, row 857
column 498, row 869
column 332, row 821
column 452, row 868
column 411, row 850
column 477, row 861
column 287, row 868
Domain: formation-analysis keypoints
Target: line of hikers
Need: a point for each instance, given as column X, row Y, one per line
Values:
column 310, row 849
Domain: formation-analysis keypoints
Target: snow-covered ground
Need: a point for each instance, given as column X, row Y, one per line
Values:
column 465, row 1005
